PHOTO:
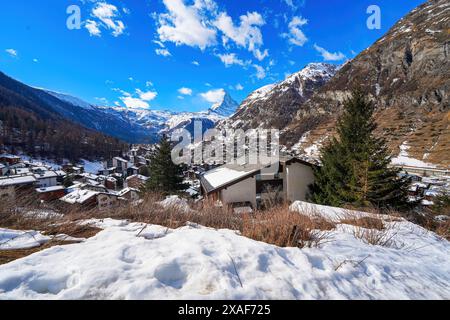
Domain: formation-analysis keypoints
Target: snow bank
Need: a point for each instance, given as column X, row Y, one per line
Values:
column 329, row 213
column 175, row 202
column 14, row 239
column 194, row 262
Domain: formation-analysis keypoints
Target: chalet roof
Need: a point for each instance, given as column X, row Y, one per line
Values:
column 17, row 180
column 139, row 176
column 123, row 192
column 229, row 174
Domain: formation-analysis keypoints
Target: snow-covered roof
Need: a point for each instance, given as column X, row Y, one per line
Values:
column 227, row 174
column 9, row 156
column 21, row 170
column 60, row 173
column 45, row 175
column 123, row 192
column 50, row 189
column 79, row 196
column 16, row 180
column 139, row 176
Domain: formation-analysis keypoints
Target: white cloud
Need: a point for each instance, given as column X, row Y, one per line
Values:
column 12, row 52
column 296, row 35
column 185, row 91
column 247, row 35
column 213, row 96
column 261, row 55
column 186, row 25
column 260, row 72
column 35, row 60
column 239, row 87
column 146, row 95
column 329, row 56
column 139, row 100
column 134, row 103
column 92, row 28
column 159, row 43
column 230, row 59
column 195, row 63
column 163, row 52
column 107, row 14
column 149, row 84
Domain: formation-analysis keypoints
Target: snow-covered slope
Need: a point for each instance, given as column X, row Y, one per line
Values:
column 195, row 262
column 274, row 105
column 71, row 99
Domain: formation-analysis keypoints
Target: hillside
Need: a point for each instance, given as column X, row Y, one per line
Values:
column 32, row 122
column 274, row 106
column 406, row 74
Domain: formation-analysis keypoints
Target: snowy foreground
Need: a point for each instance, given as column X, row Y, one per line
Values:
column 195, row 262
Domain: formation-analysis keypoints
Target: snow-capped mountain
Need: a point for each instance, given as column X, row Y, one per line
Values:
column 274, row 105
column 226, row 108
column 138, row 125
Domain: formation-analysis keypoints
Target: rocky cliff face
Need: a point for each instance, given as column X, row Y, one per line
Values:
column 406, row 74
column 274, row 106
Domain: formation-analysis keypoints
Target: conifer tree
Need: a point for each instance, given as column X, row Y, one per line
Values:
column 165, row 176
column 355, row 165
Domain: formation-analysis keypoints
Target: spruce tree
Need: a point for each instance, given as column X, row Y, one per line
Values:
column 165, row 176
column 355, row 165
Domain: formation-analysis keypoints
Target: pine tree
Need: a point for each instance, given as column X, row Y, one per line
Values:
column 165, row 176
column 355, row 166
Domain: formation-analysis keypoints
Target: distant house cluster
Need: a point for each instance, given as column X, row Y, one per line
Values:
column 425, row 190
column 119, row 180
column 244, row 187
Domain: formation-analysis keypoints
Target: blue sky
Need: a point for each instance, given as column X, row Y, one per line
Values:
column 180, row 54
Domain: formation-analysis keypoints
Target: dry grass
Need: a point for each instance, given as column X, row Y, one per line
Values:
column 364, row 222
column 276, row 226
column 283, row 228
column 373, row 230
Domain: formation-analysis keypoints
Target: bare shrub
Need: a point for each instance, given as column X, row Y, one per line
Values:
column 284, row 228
column 443, row 229
column 364, row 222
column 384, row 237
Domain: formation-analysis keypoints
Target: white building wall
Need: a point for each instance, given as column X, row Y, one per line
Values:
column 240, row 192
column 47, row 182
column 299, row 177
